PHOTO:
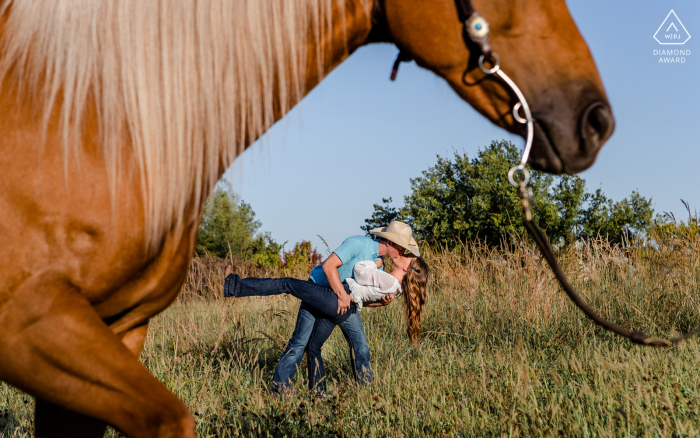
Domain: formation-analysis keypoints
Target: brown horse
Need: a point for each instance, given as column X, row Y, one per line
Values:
column 118, row 117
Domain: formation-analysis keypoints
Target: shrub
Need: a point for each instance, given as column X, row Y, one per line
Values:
column 228, row 228
column 464, row 200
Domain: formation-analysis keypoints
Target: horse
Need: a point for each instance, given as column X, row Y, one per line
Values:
column 118, row 118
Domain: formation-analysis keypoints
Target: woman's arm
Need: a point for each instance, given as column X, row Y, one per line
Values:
column 386, row 299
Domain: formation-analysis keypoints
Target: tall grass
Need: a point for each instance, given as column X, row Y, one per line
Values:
column 503, row 353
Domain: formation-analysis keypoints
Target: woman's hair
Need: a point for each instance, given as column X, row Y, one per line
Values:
column 414, row 285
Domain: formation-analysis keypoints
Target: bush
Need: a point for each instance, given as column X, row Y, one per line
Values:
column 301, row 259
column 228, row 228
column 675, row 233
column 464, row 200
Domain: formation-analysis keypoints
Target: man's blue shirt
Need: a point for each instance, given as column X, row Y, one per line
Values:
column 354, row 249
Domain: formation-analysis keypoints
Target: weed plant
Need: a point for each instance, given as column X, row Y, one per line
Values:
column 503, row 352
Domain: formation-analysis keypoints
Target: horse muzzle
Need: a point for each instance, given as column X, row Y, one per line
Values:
column 563, row 146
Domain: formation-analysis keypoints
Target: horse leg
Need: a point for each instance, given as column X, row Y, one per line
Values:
column 51, row 420
column 56, row 347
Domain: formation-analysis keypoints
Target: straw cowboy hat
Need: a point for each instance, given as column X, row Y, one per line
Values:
column 399, row 233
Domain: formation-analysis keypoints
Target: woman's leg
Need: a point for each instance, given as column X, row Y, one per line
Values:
column 317, row 373
column 321, row 298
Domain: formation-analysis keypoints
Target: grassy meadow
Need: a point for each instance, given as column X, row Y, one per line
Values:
column 503, row 353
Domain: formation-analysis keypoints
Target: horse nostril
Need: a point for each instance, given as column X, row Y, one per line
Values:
column 597, row 125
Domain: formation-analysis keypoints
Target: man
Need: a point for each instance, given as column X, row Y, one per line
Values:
column 394, row 241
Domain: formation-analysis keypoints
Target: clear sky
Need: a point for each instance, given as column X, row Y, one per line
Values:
column 358, row 137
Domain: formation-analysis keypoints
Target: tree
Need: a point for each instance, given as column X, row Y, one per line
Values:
column 615, row 222
column 462, row 199
column 265, row 251
column 301, row 259
column 382, row 215
column 229, row 224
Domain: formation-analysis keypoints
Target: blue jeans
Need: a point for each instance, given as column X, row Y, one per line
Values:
column 317, row 314
column 311, row 325
column 359, row 350
column 321, row 298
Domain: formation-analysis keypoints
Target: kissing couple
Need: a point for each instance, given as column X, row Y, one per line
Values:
column 351, row 278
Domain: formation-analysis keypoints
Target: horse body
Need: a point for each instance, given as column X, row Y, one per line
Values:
column 74, row 275
column 83, row 267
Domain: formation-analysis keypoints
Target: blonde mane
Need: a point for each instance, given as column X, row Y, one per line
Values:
column 185, row 84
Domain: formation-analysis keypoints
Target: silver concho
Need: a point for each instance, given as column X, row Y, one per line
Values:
column 477, row 27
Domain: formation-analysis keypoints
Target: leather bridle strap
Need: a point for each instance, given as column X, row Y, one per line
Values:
column 475, row 25
column 466, row 8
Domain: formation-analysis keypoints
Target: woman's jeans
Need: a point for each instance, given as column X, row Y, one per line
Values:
column 320, row 298
column 311, row 322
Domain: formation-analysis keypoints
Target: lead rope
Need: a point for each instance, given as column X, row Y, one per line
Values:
column 477, row 29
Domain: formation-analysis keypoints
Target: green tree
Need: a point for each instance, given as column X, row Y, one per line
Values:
column 382, row 215
column 265, row 251
column 616, row 221
column 229, row 224
column 301, row 259
column 462, row 199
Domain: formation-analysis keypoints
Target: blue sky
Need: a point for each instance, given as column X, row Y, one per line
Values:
column 320, row 170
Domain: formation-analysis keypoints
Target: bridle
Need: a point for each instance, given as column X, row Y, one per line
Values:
column 478, row 30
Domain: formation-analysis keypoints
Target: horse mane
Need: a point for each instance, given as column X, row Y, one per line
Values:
column 186, row 84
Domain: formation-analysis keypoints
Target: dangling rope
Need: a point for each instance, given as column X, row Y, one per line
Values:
column 477, row 29
column 526, row 194
column 636, row 337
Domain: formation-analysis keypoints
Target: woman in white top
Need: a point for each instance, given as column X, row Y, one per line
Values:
column 369, row 284
column 409, row 276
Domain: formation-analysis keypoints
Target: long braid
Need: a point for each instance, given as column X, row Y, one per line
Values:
column 414, row 285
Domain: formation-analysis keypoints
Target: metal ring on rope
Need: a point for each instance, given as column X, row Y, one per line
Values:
column 496, row 64
column 519, row 168
column 516, row 114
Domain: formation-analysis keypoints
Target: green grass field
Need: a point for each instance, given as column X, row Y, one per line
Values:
column 503, row 353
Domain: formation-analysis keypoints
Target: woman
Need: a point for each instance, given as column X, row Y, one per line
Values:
column 410, row 276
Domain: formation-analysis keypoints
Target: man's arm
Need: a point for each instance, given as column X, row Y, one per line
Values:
column 330, row 268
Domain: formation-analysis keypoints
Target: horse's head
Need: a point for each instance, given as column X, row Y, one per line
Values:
column 540, row 48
